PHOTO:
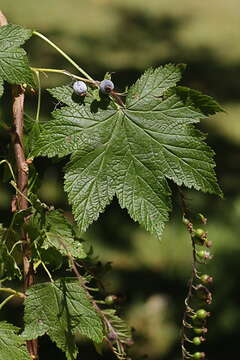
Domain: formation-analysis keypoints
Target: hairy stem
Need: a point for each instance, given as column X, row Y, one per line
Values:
column 63, row 54
column 20, row 202
column 106, row 322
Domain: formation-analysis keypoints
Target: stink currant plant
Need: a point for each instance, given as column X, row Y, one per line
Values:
column 125, row 146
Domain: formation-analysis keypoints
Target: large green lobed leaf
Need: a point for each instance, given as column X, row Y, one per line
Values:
column 131, row 151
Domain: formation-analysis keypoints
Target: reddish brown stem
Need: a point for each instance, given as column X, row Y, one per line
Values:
column 20, row 201
column 21, row 197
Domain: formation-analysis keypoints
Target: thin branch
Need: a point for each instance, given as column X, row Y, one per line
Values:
column 63, row 54
column 105, row 320
column 20, row 202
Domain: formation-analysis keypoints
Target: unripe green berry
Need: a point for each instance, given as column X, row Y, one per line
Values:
column 203, row 254
column 208, row 243
column 200, row 233
column 197, row 340
column 206, row 279
column 200, row 330
column 202, row 314
column 110, row 299
column 198, row 355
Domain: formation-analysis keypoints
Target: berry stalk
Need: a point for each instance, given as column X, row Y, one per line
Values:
column 70, row 60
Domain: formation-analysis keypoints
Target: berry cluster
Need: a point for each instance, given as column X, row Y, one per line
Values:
column 195, row 316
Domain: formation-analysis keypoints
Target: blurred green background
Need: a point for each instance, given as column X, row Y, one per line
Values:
column 126, row 37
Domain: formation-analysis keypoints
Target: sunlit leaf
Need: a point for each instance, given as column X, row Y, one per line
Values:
column 131, row 151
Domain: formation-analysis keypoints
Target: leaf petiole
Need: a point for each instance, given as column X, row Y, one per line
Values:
column 63, row 54
column 13, row 183
column 65, row 72
column 40, row 262
column 5, row 301
column 12, row 292
column 10, row 168
column 17, row 243
column 39, row 94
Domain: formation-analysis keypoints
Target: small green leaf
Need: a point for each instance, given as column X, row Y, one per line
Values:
column 8, row 262
column 12, row 36
column 32, row 130
column 61, row 309
column 12, row 346
column 14, row 66
column 118, row 333
column 108, row 76
column 59, row 234
column 120, row 327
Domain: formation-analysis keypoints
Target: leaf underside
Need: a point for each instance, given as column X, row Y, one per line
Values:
column 14, row 67
column 61, row 310
column 132, row 151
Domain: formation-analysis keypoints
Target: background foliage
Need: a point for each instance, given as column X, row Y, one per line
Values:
column 127, row 37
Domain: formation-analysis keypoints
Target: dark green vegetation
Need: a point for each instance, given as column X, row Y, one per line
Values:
column 154, row 307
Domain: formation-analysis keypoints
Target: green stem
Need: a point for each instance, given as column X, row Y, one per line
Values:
column 12, row 292
column 64, row 72
column 39, row 95
column 19, row 192
column 47, row 271
column 5, row 301
column 44, row 266
column 17, row 243
column 10, row 168
column 63, row 54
